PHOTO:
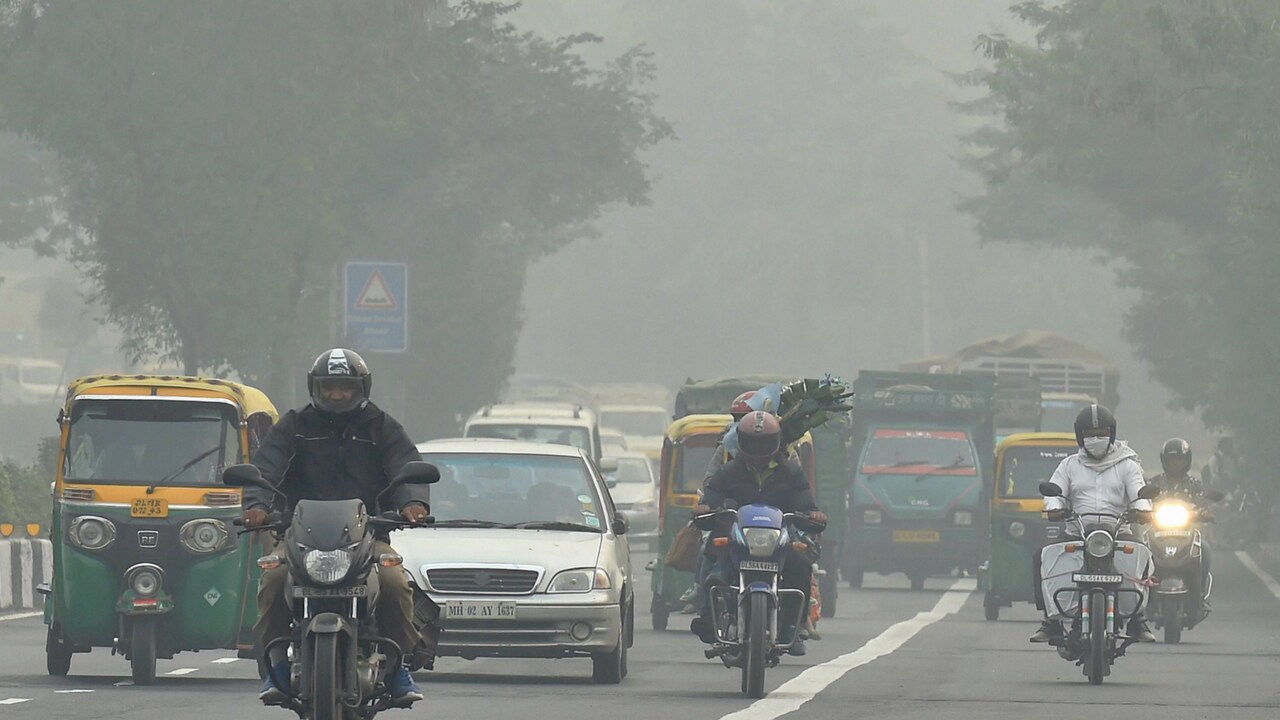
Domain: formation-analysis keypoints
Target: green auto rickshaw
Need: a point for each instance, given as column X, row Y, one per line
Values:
column 1018, row 526
column 146, row 558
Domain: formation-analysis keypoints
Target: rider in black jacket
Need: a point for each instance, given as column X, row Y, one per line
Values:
column 339, row 447
column 1177, row 481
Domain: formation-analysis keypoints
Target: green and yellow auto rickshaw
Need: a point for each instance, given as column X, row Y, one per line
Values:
column 146, row 558
column 1018, row 527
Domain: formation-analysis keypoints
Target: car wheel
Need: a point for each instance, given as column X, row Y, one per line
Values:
column 610, row 667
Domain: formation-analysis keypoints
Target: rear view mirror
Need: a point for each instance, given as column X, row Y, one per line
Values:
column 417, row 472
column 245, row 475
column 1149, row 492
column 620, row 526
column 1049, row 489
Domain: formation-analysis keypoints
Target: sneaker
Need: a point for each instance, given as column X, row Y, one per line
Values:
column 270, row 694
column 797, row 648
column 1047, row 631
column 1141, row 631
column 702, row 628
column 402, row 687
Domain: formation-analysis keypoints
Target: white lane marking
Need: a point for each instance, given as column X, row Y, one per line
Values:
column 14, row 701
column 20, row 616
column 805, row 686
column 225, row 661
column 182, row 671
column 68, row 692
column 1263, row 575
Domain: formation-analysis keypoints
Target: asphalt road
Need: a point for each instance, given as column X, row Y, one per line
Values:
column 891, row 653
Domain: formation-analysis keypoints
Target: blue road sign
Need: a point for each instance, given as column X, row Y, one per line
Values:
column 377, row 306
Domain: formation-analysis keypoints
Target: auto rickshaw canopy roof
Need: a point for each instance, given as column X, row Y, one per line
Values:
column 697, row 424
column 1054, row 439
column 251, row 400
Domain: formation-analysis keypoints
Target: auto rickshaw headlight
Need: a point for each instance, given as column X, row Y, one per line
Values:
column 327, row 566
column 203, row 536
column 1017, row 529
column 91, row 533
column 762, row 542
column 1099, row 544
column 144, row 580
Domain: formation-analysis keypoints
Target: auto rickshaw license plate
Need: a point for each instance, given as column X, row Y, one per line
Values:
column 479, row 610
column 149, row 508
column 916, row 536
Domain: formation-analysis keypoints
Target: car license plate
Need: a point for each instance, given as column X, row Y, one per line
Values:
column 149, row 508
column 479, row 610
column 757, row 566
column 1097, row 579
column 916, row 536
column 342, row 592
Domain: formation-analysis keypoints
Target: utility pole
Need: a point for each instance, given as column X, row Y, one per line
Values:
column 926, row 322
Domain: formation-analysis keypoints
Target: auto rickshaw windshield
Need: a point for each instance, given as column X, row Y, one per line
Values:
column 1026, row 467
column 164, row 442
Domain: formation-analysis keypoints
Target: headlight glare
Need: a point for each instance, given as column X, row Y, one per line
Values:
column 762, row 542
column 203, row 536
column 91, row 533
column 327, row 566
column 1099, row 544
column 1172, row 515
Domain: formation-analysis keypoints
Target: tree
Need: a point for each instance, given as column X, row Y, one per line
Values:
column 1147, row 130
column 225, row 158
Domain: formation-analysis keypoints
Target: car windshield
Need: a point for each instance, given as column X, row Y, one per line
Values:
column 632, row 470
column 573, row 436
column 915, row 452
column 41, row 375
column 1025, row 468
column 636, row 422
column 504, row 490
column 142, row 442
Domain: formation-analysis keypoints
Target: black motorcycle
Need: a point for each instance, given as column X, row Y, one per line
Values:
column 342, row 667
column 1177, row 547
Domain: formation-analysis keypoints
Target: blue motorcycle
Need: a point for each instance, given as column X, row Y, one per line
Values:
column 748, row 610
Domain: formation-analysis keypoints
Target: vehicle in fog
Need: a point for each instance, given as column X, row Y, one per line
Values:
column 28, row 381
column 634, row 488
column 643, row 425
column 556, row 423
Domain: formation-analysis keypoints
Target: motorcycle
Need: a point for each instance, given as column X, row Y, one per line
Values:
column 341, row 667
column 1178, row 602
column 1106, row 589
column 746, row 604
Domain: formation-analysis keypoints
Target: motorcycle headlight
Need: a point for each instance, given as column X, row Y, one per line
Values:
column 872, row 517
column 580, row 580
column 91, row 533
column 1172, row 515
column 761, row 542
column 1099, row 544
column 327, row 566
column 203, row 536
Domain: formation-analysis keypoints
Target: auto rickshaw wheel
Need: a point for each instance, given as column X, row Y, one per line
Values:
column 991, row 606
column 57, row 654
column 142, row 651
column 917, row 581
column 660, row 617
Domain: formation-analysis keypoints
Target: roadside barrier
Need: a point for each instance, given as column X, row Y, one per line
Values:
column 24, row 564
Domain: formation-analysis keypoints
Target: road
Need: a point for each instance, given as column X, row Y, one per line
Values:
column 891, row 653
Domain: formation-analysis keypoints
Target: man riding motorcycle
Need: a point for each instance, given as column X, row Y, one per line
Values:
column 340, row 446
column 1177, row 481
column 1103, row 477
column 760, row 474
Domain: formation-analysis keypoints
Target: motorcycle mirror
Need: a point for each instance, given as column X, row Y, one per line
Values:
column 1049, row 489
column 1149, row 492
column 417, row 472
column 1214, row 495
column 245, row 475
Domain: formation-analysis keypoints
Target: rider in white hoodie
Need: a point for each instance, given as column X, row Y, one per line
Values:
column 1103, row 477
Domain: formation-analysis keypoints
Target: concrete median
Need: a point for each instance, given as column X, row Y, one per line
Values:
column 24, row 564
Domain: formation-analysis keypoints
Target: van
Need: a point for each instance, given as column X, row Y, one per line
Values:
column 29, row 381
column 559, row 423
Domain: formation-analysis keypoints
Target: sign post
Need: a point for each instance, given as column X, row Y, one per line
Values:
column 376, row 317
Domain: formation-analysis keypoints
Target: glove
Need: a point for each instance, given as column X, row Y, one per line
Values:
column 415, row 512
column 254, row 517
column 1057, row 514
column 818, row 516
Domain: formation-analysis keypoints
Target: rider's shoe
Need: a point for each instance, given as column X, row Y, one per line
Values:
column 1140, row 631
column 270, row 694
column 403, row 689
column 797, row 648
column 1047, row 631
column 701, row 627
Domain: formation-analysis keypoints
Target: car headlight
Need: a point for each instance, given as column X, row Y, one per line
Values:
column 1099, row 544
column 144, row 580
column 1017, row 529
column 91, row 533
column 580, row 580
column 203, row 536
column 872, row 517
column 1172, row 515
column 761, row 542
column 963, row 517
column 327, row 566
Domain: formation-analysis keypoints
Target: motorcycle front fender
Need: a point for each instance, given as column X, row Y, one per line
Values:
column 326, row 624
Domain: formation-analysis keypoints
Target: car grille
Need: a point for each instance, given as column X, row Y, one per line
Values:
column 497, row 581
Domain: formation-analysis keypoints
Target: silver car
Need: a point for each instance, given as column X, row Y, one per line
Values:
column 527, row 556
column 634, row 489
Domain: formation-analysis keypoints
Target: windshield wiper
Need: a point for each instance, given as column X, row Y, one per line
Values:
column 468, row 523
column 183, row 469
column 554, row 525
column 936, row 470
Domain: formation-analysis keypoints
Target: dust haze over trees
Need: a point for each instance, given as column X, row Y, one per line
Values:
column 224, row 160
column 1147, row 130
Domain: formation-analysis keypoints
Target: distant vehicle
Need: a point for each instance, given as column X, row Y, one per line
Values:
column 29, row 381
column 1058, row 410
column 634, row 487
column 527, row 558
column 644, row 426
column 523, row 388
column 612, row 441
column 556, row 423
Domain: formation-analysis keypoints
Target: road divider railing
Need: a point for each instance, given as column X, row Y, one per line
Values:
column 25, row 564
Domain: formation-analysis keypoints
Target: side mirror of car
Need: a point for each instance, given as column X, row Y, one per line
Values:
column 1149, row 492
column 1214, row 495
column 620, row 525
column 417, row 472
column 607, row 465
column 1049, row 489
column 610, row 482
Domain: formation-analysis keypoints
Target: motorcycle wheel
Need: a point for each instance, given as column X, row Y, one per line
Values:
column 991, row 606
column 1172, row 622
column 142, row 651
column 1097, row 662
column 57, row 654
column 757, row 645
column 325, row 701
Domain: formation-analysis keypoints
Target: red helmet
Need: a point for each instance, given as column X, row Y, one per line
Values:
column 759, row 435
column 740, row 406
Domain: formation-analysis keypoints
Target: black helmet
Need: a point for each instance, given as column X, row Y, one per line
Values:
column 340, row 367
column 1093, row 417
column 1175, row 457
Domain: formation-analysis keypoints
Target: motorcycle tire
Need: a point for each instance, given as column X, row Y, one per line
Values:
column 326, row 702
column 758, row 643
column 1172, row 622
column 142, row 651
column 1096, row 663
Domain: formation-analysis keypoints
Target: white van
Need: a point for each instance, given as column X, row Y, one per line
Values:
column 29, row 381
column 559, row 423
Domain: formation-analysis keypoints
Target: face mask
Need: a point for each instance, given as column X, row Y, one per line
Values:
column 1097, row 446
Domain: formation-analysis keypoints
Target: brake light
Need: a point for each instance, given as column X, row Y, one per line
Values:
column 145, row 602
column 720, row 542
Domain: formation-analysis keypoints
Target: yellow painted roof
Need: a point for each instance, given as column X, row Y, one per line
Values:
column 696, row 424
column 248, row 397
column 1054, row 439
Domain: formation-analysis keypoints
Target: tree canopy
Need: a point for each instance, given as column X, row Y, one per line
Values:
column 1147, row 130
column 226, row 158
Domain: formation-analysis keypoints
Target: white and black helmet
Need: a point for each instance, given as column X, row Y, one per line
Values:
column 1092, row 418
column 341, row 367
